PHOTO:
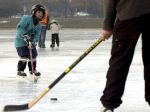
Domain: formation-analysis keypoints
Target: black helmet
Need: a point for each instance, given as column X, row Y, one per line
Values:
column 36, row 8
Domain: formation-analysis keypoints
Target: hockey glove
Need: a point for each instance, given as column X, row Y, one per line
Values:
column 27, row 39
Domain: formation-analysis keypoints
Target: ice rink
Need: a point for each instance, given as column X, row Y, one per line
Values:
column 79, row 90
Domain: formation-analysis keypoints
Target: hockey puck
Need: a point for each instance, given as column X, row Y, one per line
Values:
column 54, row 99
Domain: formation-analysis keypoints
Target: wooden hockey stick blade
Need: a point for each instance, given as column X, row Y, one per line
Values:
column 15, row 107
column 27, row 105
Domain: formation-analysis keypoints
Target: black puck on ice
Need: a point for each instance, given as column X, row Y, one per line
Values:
column 54, row 99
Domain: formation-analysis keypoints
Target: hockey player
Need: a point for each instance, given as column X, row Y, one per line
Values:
column 28, row 30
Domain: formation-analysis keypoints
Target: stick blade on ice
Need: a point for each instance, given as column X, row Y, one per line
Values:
column 15, row 107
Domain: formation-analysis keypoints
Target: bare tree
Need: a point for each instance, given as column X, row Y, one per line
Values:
column 61, row 8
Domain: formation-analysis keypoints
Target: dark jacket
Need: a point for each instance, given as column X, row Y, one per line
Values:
column 123, row 10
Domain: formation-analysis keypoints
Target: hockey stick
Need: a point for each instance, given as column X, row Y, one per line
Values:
column 32, row 66
column 47, row 89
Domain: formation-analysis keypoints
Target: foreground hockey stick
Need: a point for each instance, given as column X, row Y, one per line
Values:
column 46, row 90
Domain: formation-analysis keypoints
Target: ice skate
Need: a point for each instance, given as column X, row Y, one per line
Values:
column 35, row 76
column 21, row 74
column 52, row 46
column 36, row 73
column 104, row 109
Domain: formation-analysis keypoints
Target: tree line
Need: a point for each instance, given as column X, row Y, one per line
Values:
column 56, row 8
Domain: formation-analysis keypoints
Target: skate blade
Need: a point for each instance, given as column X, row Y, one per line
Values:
column 34, row 79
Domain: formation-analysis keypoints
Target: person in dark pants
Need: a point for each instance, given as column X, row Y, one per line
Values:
column 28, row 30
column 126, row 23
column 44, row 22
column 54, row 27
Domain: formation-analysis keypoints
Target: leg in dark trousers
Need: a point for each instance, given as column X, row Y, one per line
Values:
column 34, row 55
column 34, row 68
column 30, row 66
column 23, row 53
column 123, row 46
column 21, row 67
column 43, row 36
column 39, row 43
column 145, row 23
column 57, row 40
column 53, row 41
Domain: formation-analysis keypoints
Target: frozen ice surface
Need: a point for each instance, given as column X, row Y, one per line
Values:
column 79, row 90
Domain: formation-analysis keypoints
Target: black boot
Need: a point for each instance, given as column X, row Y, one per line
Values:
column 36, row 73
column 21, row 73
column 34, row 67
column 52, row 45
column 21, row 68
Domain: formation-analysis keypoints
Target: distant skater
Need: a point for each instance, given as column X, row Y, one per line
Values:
column 54, row 27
